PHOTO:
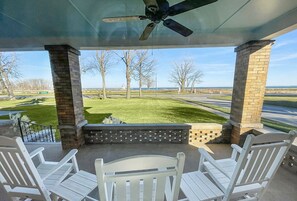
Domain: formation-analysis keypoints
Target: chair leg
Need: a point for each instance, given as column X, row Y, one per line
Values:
column 75, row 165
column 200, row 165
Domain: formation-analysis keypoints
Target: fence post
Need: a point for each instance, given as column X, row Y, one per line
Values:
column 21, row 130
column 51, row 129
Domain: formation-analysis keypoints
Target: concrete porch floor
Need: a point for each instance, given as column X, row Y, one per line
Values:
column 282, row 188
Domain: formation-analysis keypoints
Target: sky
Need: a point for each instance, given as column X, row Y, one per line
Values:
column 217, row 65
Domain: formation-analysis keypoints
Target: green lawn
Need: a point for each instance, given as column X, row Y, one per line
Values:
column 148, row 110
column 135, row 110
column 285, row 101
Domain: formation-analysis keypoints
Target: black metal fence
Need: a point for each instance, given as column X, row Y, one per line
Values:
column 32, row 132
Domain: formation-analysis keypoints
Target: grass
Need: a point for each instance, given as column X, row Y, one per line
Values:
column 267, row 122
column 284, row 101
column 278, row 125
column 135, row 110
column 149, row 110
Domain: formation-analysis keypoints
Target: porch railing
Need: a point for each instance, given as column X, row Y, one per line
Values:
column 32, row 132
column 136, row 133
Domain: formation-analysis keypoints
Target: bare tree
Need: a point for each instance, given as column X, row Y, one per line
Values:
column 194, row 79
column 2, row 88
column 128, row 58
column 184, row 74
column 149, row 81
column 101, row 63
column 8, row 72
column 144, row 68
column 33, row 84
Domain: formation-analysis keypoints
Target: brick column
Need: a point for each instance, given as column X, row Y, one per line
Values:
column 249, row 85
column 68, row 93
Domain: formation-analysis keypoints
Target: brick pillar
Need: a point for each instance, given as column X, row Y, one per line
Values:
column 68, row 93
column 249, row 85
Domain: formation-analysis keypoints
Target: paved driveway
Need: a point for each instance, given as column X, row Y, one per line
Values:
column 281, row 114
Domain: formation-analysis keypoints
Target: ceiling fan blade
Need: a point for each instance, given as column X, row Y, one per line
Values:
column 124, row 18
column 177, row 27
column 151, row 5
column 187, row 5
column 147, row 31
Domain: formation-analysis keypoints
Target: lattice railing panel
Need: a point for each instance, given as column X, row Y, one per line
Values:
column 147, row 133
column 209, row 133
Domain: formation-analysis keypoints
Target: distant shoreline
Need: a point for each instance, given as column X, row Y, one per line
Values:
column 176, row 88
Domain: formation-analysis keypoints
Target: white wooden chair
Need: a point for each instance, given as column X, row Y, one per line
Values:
column 250, row 169
column 19, row 176
column 140, row 178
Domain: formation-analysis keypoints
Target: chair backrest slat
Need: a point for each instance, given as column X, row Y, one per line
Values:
column 259, row 160
column 120, row 190
column 255, row 170
column 140, row 177
column 6, row 177
column 274, row 162
column 250, row 165
column 148, row 185
column 259, row 165
column 23, row 170
column 17, row 168
column 6, row 163
column 135, row 194
column 160, row 187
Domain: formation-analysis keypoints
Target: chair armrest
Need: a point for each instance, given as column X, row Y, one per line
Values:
column 68, row 157
column 36, row 152
column 236, row 148
column 206, row 156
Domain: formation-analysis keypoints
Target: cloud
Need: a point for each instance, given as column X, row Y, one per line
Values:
column 219, row 72
column 210, row 54
column 283, row 43
column 35, row 67
column 277, row 58
column 215, row 66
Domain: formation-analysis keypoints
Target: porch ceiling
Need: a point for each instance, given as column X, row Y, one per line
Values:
column 30, row 24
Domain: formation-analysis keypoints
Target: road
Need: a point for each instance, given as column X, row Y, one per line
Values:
column 281, row 114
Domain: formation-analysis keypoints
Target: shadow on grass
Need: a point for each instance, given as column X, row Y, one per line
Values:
column 47, row 115
column 193, row 115
column 33, row 101
column 95, row 118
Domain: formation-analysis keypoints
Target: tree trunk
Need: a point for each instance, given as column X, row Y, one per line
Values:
column 140, row 81
column 103, row 85
column 128, row 90
column 182, row 87
column 140, row 86
column 193, row 88
column 128, row 79
column 3, row 85
column 6, row 84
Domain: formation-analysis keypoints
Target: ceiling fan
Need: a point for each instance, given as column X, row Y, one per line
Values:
column 158, row 10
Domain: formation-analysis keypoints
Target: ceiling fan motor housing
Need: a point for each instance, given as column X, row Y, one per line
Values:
column 157, row 14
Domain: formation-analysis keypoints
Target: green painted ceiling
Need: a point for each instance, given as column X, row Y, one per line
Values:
column 31, row 24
